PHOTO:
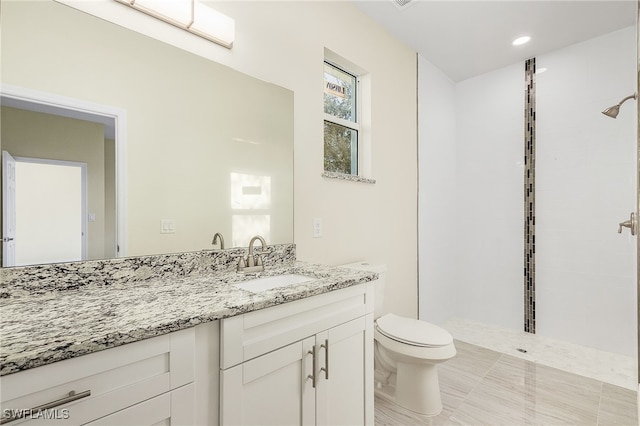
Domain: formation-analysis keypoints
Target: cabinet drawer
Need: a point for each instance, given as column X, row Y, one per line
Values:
column 247, row 336
column 173, row 408
column 111, row 380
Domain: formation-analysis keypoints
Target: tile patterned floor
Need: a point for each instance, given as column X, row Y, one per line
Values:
column 604, row 366
column 484, row 387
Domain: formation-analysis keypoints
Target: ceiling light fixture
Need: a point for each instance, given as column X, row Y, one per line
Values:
column 403, row 4
column 190, row 15
column 521, row 40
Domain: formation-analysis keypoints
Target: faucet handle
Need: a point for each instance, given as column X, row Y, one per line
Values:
column 631, row 224
column 241, row 264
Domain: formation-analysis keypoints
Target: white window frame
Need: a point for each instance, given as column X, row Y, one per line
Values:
column 353, row 125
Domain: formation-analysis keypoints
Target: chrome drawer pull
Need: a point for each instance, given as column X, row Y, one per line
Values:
column 312, row 376
column 326, row 359
column 73, row 396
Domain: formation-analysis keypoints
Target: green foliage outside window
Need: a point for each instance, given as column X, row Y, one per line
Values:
column 340, row 142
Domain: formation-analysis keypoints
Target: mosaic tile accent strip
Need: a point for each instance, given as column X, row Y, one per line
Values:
column 530, row 197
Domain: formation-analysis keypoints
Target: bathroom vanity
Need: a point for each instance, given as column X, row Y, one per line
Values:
column 188, row 345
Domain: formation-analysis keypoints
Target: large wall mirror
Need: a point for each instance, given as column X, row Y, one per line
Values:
column 193, row 147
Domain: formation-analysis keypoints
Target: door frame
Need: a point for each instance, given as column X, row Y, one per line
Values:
column 118, row 115
column 638, row 198
column 8, row 205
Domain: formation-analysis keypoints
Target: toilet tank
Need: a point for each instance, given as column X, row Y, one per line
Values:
column 381, row 270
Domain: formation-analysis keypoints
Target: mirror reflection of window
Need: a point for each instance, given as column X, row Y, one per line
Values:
column 244, row 227
column 251, row 193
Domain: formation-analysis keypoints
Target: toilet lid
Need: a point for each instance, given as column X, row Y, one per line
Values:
column 413, row 331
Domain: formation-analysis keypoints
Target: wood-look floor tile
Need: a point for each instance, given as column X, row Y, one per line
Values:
column 546, row 383
column 461, row 374
column 545, row 395
column 504, row 390
column 390, row 414
column 471, row 359
column 618, row 406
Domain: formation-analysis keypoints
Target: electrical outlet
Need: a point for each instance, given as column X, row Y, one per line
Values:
column 167, row 226
column 317, row 227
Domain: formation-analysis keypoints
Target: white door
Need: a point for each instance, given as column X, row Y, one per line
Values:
column 50, row 206
column 8, row 209
column 342, row 383
column 272, row 389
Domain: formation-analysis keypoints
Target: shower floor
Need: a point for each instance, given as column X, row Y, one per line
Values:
column 604, row 366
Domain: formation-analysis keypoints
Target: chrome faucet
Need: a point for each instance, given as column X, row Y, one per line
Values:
column 253, row 263
column 218, row 236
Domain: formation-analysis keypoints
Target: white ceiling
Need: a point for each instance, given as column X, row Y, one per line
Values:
column 468, row 38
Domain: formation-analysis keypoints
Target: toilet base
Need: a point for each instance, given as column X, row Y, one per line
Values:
column 418, row 388
column 415, row 388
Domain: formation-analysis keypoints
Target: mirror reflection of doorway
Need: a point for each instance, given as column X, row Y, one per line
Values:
column 42, row 125
column 49, row 211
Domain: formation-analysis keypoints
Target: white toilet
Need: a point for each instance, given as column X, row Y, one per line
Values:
column 407, row 352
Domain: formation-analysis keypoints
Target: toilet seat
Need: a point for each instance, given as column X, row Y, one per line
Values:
column 413, row 332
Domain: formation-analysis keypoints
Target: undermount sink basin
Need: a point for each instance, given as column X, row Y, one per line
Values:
column 267, row 283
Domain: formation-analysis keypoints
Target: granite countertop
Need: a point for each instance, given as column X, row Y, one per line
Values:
column 45, row 328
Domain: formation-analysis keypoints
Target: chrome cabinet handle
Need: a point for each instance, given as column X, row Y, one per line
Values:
column 326, row 359
column 631, row 224
column 72, row 396
column 312, row 376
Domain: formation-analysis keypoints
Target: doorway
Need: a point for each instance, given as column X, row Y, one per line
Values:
column 49, row 210
column 106, row 165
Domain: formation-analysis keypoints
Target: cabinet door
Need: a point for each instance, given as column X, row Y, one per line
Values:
column 273, row 389
column 345, row 387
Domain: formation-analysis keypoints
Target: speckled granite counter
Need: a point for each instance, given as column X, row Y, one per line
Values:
column 39, row 327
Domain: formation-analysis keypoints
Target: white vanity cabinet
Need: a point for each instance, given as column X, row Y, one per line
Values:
column 307, row 362
column 143, row 383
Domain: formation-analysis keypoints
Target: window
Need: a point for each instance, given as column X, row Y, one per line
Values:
column 341, row 122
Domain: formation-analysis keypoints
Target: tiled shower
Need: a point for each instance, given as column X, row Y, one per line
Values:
column 473, row 205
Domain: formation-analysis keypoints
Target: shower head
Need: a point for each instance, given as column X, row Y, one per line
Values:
column 614, row 110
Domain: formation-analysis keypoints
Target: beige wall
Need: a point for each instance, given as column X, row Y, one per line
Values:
column 37, row 135
column 283, row 43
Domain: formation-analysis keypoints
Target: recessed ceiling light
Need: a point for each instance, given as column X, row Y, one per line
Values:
column 541, row 70
column 403, row 4
column 521, row 40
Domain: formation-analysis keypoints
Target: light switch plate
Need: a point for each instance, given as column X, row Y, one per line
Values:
column 317, row 227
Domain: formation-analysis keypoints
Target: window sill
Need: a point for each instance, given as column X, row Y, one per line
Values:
column 343, row 176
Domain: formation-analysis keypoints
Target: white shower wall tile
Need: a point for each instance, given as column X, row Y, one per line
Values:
column 605, row 366
column 438, row 192
column 490, row 178
column 586, row 185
